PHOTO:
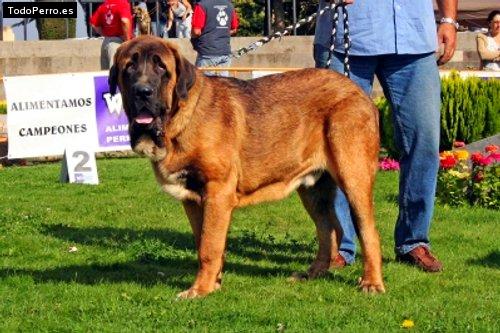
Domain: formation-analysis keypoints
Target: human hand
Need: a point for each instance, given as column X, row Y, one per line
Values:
column 447, row 35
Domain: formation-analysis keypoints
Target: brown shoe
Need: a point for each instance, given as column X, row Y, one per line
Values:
column 338, row 262
column 422, row 258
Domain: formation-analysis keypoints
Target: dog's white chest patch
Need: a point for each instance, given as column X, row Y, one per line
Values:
column 176, row 184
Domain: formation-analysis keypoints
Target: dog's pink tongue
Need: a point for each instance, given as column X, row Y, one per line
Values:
column 144, row 119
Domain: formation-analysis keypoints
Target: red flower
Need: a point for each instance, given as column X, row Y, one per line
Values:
column 458, row 144
column 479, row 159
column 448, row 162
column 491, row 148
column 495, row 156
column 388, row 164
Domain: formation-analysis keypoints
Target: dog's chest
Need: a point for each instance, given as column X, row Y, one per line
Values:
column 184, row 184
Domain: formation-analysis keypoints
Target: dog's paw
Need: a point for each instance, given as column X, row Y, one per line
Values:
column 189, row 294
column 371, row 287
column 298, row 277
column 196, row 292
column 318, row 269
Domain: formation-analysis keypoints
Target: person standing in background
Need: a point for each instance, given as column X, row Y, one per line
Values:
column 488, row 46
column 180, row 12
column 214, row 22
column 396, row 40
column 113, row 20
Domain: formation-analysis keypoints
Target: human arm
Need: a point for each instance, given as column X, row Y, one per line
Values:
column 199, row 19
column 95, row 21
column 234, row 23
column 125, row 29
column 484, row 52
column 189, row 9
column 97, row 29
column 170, row 20
column 447, row 33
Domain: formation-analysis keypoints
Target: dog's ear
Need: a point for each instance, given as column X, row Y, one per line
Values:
column 113, row 79
column 186, row 75
column 113, row 72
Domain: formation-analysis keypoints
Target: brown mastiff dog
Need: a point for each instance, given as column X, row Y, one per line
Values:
column 221, row 143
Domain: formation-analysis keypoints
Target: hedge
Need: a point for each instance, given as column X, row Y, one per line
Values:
column 470, row 111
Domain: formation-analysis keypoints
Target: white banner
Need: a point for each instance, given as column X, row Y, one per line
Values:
column 47, row 113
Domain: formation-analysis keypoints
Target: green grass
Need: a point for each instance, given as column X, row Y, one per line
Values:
column 135, row 253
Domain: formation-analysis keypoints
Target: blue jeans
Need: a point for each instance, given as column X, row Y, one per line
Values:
column 412, row 86
column 214, row 61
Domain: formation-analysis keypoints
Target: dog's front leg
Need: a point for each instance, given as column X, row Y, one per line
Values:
column 218, row 205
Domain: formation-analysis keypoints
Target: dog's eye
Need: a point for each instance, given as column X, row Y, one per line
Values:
column 159, row 64
column 129, row 66
column 162, row 66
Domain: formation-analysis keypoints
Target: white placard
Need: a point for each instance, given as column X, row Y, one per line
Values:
column 79, row 166
column 46, row 113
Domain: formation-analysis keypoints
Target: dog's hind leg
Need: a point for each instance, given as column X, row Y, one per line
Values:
column 318, row 201
column 353, row 164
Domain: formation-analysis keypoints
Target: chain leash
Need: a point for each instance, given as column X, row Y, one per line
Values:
column 279, row 34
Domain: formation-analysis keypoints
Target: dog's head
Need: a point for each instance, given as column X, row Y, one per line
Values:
column 139, row 12
column 153, row 79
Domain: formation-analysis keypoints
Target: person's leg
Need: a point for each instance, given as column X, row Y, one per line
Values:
column 320, row 54
column 113, row 45
column 187, row 27
column 108, row 50
column 362, row 73
column 213, row 61
column 204, row 61
column 178, row 28
column 412, row 85
column 104, row 55
column 224, row 61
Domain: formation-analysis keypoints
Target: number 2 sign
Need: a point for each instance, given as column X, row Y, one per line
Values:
column 79, row 166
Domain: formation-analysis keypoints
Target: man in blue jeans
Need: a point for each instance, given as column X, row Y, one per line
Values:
column 397, row 40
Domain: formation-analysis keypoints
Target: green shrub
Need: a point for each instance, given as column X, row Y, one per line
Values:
column 470, row 111
column 56, row 28
column 386, row 127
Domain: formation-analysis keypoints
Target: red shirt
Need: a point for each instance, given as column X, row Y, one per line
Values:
column 200, row 17
column 108, row 16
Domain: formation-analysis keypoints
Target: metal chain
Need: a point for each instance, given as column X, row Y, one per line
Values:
column 347, row 43
column 335, row 22
column 332, row 7
column 347, row 38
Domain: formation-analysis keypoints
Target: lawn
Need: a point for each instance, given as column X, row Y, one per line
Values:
column 135, row 253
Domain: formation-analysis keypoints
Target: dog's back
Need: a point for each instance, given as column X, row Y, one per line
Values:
column 281, row 126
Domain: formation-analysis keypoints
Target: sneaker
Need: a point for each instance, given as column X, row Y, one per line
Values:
column 422, row 258
column 338, row 262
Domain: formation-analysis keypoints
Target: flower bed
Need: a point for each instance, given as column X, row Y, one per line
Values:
column 472, row 179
